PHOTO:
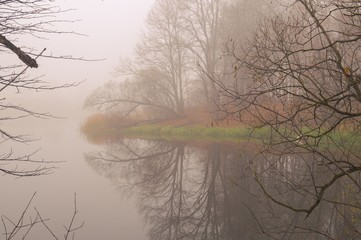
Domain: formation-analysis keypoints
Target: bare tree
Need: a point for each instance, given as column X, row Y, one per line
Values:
column 145, row 95
column 305, row 70
column 201, row 28
column 179, row 55
column 240, row 20
column 22, row 228
column 159, row 65
column 23, row 19
column 208, row 26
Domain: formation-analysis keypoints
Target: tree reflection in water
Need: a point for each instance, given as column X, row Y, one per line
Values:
column 217, row 191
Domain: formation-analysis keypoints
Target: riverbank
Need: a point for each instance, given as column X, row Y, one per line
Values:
column 102, row 128
column 99, row 128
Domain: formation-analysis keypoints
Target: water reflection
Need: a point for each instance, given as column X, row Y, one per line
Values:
column 220, row 191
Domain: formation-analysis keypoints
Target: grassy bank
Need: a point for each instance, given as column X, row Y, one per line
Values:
column 101, row 127
column 193, row 132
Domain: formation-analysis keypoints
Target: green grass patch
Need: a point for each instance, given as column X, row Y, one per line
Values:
column 192, row 133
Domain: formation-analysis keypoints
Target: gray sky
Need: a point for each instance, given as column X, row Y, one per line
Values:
column 112, row 28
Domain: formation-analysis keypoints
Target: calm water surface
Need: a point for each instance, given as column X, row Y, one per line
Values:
column 107, row 214
column 140, row 189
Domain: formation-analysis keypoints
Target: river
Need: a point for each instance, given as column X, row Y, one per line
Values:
column 107, row 215
column 142, row 189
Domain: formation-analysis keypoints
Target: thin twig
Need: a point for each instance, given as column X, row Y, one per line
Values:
column 22, row 72
column 70, row 229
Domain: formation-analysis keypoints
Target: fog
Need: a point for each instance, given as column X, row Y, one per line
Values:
column 180, row 119
column 109, row 31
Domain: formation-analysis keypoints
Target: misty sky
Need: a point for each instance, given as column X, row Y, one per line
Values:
column 112, row 28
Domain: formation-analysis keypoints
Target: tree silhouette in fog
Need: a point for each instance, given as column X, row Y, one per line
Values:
column 178, row 57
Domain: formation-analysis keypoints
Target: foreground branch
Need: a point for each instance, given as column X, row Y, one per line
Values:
column 30, row 62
